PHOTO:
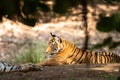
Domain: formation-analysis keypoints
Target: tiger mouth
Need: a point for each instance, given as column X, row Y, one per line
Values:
column 52, row 54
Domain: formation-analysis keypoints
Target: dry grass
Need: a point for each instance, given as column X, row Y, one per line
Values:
column 32, row 53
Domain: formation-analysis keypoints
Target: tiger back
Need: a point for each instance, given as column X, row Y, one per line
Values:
column 64, row 52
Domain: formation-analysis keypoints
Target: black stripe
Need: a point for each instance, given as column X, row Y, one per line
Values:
column 116, row 58
column 18, row 68
column 100, row 57
column 4, row 66
column 96, row 61
column 11, row 69
column 105, row 59
column 86, row 54
column 73, row 55
column 111, row 57
column 82, row 52
column 108, row 57
column 76, row 55
column 73, row 51
column 89, row 57
column 81, row 61
column 90, row 53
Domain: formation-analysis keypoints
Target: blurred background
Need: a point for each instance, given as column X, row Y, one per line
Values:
column 25, row 26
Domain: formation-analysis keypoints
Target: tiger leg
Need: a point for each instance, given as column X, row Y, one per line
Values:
column 29, row 67
column 51, row 62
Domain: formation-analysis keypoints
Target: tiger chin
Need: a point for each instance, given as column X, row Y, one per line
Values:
column 63, row 52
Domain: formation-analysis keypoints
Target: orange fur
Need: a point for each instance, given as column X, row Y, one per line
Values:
column 64, row 52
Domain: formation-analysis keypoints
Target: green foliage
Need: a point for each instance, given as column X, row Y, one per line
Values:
column 62, row 6
column 32, row 53
column 30, row 10
column 29, row 21
column 26, row 13
column 111, row 1
column 44, row 7
column 32, row 6
column 107, row 24
column 116, row 18
column 107, row 42
column 109, row 77
column 118, row 78
column 114, row 44
column 9, row 8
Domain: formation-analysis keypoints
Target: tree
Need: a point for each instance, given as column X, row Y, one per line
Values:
column 28, row 11
column 24, row 11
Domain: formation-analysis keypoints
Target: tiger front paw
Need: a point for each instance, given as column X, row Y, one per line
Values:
column 30, row 67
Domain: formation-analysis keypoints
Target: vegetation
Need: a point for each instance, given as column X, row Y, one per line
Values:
column 109, row 77
column 29, row 12
column 33, row 52
column 104, row 77
column 114, row 23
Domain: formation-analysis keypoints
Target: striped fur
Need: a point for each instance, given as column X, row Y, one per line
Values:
column 6, row 67
column 64, row 52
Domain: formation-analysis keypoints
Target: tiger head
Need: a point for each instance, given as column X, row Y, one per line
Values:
column 54, row 45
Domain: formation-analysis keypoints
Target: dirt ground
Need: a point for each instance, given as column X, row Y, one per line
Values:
column 68, row 72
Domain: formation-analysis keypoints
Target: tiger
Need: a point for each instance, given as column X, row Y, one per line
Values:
column 64, row 52
column 7, row 67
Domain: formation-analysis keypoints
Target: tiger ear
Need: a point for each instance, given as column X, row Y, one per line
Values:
column 52, row 34
column 57, row 38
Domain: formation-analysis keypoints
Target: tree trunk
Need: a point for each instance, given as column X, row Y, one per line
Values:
column 84, row 4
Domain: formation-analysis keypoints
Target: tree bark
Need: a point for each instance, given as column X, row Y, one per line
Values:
column 84, row 4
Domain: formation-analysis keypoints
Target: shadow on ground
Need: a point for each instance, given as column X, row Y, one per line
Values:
column 68, row 72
